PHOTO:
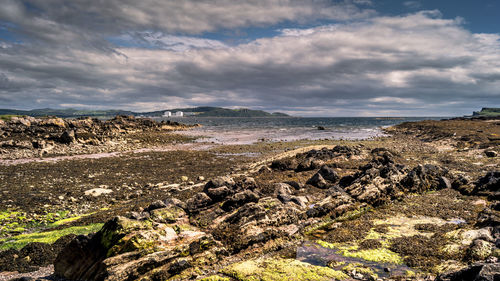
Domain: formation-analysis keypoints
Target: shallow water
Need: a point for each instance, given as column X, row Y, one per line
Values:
column 315, row 254
column 235, row 130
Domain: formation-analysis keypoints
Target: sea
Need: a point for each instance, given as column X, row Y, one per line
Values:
column 245, row 130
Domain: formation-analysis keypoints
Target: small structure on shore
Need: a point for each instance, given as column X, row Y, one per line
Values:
column 167, row 114
column 179, row 114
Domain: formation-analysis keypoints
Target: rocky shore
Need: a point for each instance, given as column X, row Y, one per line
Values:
column 28, row 137
column 422, row 204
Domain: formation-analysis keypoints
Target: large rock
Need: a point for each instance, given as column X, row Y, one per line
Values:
column 239, row 199
column 284, row 164
column 317, row 180
column 475, row 272
column 199, row 200
column 425, row 177
column 127, row 249
column 219, row 193
column 220, row 181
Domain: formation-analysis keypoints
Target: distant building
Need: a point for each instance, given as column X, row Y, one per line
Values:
column 179, row 114
column 167, row 114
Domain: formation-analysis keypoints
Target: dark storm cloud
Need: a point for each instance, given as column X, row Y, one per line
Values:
column 416, row 64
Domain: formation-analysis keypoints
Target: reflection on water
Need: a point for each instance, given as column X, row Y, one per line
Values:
column 315, row 254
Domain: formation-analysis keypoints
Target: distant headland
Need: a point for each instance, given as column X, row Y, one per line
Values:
column 487, row 111
column 205, row 111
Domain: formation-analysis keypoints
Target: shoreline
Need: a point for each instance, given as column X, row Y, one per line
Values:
column 136, row 179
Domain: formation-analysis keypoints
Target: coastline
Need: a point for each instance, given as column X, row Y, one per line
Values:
column 138, row 178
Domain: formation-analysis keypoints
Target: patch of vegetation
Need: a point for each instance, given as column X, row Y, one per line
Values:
column 215, row 278
column 8, row 117
column 14, row 221
column 487, row 111
column 19, row 241
column 281, row 269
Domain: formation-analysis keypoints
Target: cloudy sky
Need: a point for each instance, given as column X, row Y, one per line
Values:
column 303, row 57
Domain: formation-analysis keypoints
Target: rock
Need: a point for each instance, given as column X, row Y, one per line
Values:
column 479, row 250
column 170, row 214
column 127, row 249
column 96, row 192
column 317, row 180
column 491, row 153
column 284, row 164
column 424, row 177
column 199, row 200
column 282, row 189
column 220, row 181
column 328, row 174
column 295, row 184
column 321, row 128
column 184, row 178
column 218, row 194
column 444, row 182
column 475, row 272
column 67, row 137
column 248, row 183
column 488, row 185
column 239, row 199
column 463, row 184
column 158, row 204
column 265, row 169
column 300, row 200
column 201, row 178
column 327, row 154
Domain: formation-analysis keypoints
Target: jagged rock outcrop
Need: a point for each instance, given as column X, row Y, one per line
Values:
column 66, row 131
column 236, row 216
column 126, row 249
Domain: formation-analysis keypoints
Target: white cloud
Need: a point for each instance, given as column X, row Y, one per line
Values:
column 190, row 16
column 417, row 64
column 159, row 40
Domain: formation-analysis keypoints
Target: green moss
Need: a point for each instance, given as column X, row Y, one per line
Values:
column 8, row 117
column 352, row 215
column 383, row 255
column 167, row 215
column 132, row 243
column 19, row 241
column 116, row 229
column 281, row 269
column 410, row 273
column 215, row 278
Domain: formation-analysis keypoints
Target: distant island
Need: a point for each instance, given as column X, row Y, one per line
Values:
column 487, row 111
column 205, row 111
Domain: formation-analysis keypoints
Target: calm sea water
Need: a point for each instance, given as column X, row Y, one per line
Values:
column 229, row 130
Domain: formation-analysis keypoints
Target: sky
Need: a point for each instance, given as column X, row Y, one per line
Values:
column 301, row 57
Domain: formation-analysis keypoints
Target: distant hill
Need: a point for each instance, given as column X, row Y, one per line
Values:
column 205, row 111
column 487, row 111
column 65, row 112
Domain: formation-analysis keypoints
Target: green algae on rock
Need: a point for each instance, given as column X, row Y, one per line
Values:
column 272, row 269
